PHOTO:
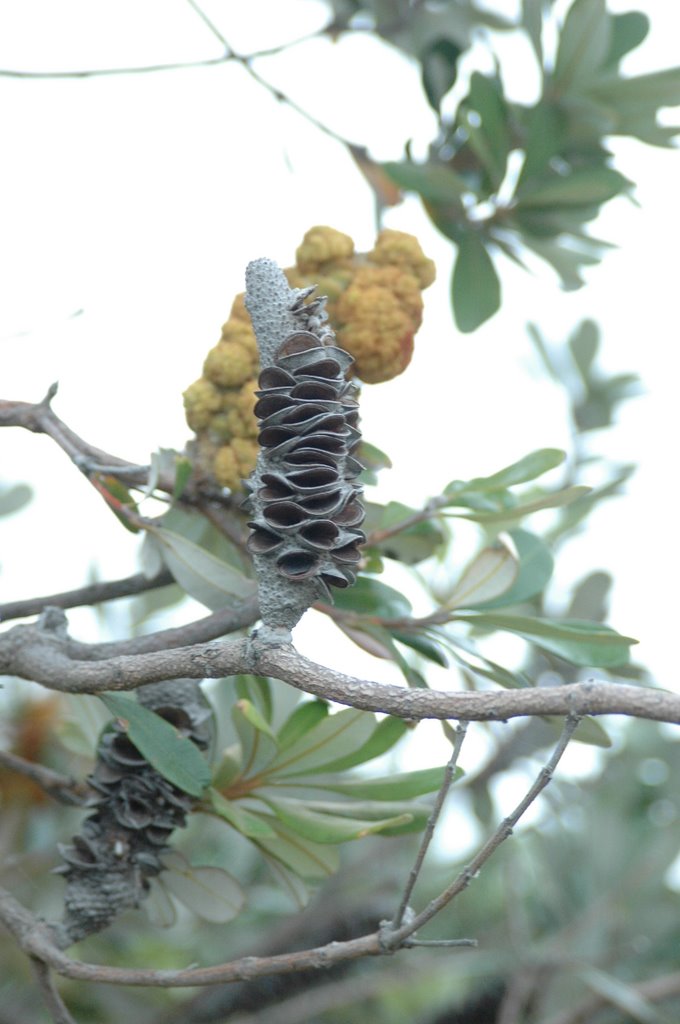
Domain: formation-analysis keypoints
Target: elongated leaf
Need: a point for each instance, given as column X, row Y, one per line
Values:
column 250, row 712
column 555, row 499
column 587, row 731
column 175, row 757
column 584, row 42
column 335, row 737
column 436, row 183
column 251, row 825
column 386, row 734
column 206, row 578
column 324, row 828
column 439, row 63
column 369, row 596
column 581, row 643
column 305, row 717
column 402, row 786
column 411, row 815
column 210, row 892
column 258, row 747
column 535, row 569
column 305, row 858
column 580, row 188
column 427, row 646
column 491, row 572
column 475, row 288
column 375, row 641
column 411, row 544
column 488, row 133
column 13, row 498
column 520, row 472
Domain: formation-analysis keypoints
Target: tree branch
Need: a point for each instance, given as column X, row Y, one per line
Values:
column 45, row 654
column 93, row 593
column 60, row 787
column 53, row 1000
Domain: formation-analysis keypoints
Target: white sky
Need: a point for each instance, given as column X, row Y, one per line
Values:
column 140, row 199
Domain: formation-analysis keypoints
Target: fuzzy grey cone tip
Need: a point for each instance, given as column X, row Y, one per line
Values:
column 303, row 495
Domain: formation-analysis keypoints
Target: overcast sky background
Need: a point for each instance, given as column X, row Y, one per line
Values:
column 136, row 202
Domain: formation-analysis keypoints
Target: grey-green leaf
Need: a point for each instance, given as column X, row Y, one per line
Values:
column 475, row 287
column 174, row 756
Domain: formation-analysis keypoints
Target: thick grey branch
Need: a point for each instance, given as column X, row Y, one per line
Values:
column 41, row 654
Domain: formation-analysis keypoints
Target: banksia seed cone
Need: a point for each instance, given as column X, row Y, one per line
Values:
column 304, row 497
column 136, row 811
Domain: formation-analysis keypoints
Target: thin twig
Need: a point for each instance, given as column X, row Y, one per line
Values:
column 394, row 937
column 93, row 593
column 398, row 918
column 53, row 1000
column 655, row 990
column 60, row 787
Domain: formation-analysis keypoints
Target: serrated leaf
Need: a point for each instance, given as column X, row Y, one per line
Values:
column 628, row 30
column 581, row 643
column 401, row 786
column 475, row 288
column 174, row 756
column 204, row 577
column 369, row 596
column 535, row 569
column 325, row 828
column 305, row 717
column 529, row 467
column 246, row 822
column 491, row 572
column 210, row 892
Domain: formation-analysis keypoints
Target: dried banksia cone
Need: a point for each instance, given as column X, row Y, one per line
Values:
column 119, row 847
column 304, row 496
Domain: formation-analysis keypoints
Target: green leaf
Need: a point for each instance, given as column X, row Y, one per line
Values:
column 439, row 66
column 555, row 499
column 425, row 645
column 409, row 816
column 335, row 737
column 174, row 756
column 583, row 45
column 583, row 345
column 491, row 572
column 307, row 859
column 373, row 460
column 204, row 577
column 588, row 731
column 257, row 690
column 210, row 892
column 385, row 735
column 374, row 640
column 13, row 498
column 434, row 182
column 183, row 470
column 628, row 30
column 305, row 717
column 546, row 128
column 535, row 569
column 490, row 139
column 579, row 188
column 325, row 828
column 258, row 745
column 402, row 786
column 581, row 643
column 249, row 824
column 520, row 472
column 411, row 544
column 475, row 288
column 369, row 596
